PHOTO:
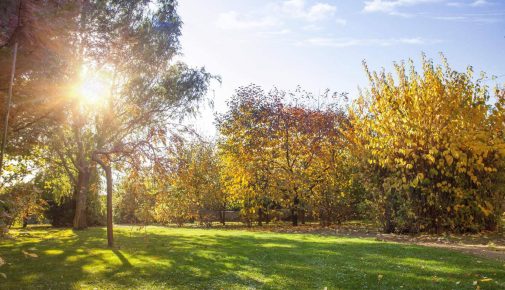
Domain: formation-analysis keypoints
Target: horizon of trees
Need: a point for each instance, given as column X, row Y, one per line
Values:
column 415, row 151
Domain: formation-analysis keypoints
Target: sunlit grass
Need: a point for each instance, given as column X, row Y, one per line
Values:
column 185, row 258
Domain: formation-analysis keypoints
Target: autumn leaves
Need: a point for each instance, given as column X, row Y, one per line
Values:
column 418, row 151
column 433, row 143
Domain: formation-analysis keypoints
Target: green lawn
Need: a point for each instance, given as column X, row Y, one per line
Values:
column 184, row 258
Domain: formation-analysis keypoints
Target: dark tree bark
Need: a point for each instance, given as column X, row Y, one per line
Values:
column 294, row 211
column 260, row 216
column 388, row 223
column 81, row 197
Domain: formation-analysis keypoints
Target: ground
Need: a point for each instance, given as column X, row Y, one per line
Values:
column 192, row 258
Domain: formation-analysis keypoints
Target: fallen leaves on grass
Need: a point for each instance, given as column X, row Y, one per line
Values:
column 28, row 254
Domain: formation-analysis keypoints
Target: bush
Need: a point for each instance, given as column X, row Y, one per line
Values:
column 433, row 149
column 19, row 203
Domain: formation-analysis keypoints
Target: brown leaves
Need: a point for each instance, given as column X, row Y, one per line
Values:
column 28, row 254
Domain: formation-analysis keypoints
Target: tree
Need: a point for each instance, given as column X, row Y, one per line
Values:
column 189, row 186
column 432, row 148
column 136, row 197
column 129, row 48
column 148, row 91
column 30, row 30
column 281, row 149
column 21, row 202
column 246, row 155
column 126, row 49
column 335, row 193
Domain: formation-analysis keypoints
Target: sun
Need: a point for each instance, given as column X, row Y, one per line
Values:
column 91, row 91
column 92, row 88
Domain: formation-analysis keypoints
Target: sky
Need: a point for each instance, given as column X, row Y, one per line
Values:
column 320, row 44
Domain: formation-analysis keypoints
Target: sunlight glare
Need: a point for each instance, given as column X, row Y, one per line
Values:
column 93, row 88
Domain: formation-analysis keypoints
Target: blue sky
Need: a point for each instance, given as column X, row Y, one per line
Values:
column 320, row 44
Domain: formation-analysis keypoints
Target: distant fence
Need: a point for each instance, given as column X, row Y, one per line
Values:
column 220, row 215
column 236, row 216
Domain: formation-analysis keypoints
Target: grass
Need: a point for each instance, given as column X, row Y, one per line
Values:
column 184, row 258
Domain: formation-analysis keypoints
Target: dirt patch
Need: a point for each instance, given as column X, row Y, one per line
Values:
column 483, row 245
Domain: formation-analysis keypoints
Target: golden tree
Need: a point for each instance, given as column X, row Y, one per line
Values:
column 433, row 146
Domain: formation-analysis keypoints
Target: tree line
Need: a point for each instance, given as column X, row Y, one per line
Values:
column 415, row 151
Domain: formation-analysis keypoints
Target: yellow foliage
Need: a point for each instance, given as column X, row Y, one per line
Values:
column 445, row 142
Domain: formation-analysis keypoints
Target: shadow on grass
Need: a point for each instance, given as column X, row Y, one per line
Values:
column 121, row 257
column 192, row 258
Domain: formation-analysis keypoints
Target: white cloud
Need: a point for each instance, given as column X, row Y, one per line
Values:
column 392, row 6
column 474, row 3
column 451, row 18
column 320, row 11
column 350, row 42
column 475, row 18
column 232, row 20
column 299, row 9
column 275, row 16
column 479, row 3
column 483, row 18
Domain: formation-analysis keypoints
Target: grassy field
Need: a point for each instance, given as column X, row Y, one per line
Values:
column 183, row 258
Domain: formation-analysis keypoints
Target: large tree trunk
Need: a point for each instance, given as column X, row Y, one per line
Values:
column 388, row 223
column 260, row 216
column 294, row 217
column 82, row 187
column 294, row 212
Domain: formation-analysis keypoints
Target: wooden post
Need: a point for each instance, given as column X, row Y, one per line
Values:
column 8, row 107
column 108, row 176
column 110, row 230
